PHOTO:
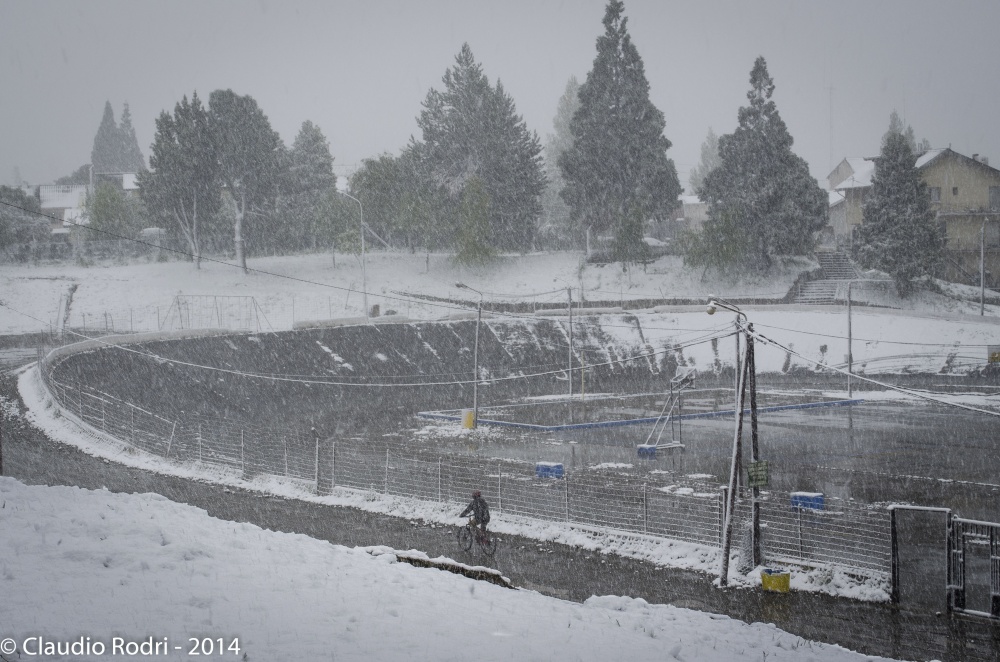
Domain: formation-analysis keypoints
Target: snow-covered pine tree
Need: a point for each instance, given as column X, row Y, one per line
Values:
column 899, row 234
column 761, row 185
column 471, row 246
column 250, row 154
column 472, row 129
column 555, row 224
column 309, row 178
column 182, row 186
column 106, row 154
column 617, row 170
column 131, row 156
column 709, row 161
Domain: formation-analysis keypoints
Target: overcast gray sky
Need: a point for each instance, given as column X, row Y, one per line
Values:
column 361, row 69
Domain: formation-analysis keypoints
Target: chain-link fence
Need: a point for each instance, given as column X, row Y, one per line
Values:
column 842, row 533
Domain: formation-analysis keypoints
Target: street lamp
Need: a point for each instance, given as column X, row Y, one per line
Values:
column 364, row 275
column 475, row 355
column 747, row 374
column 850, row 339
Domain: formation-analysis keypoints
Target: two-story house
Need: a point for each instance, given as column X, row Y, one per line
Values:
column 964, row 193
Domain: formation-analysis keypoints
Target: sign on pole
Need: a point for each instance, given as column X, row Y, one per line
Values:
column 757, row 474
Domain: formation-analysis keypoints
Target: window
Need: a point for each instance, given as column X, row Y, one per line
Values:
column 995, row 197
column 954, row 190
column 935, row 193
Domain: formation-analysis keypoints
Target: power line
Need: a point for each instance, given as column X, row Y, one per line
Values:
column 924, row 395
column 300, row 380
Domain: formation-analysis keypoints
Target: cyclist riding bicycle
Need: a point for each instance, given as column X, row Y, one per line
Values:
column 479, row 509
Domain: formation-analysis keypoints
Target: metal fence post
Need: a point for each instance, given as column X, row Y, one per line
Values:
column 894, row 559
column 439, row 481
column 243, row 455
column 316, row 436
column 566, row 492
column 333, row 464
column 645, row 510
column 499, row 498
column 104, row 417
column 386, row 490
column 799, row 518
column 199, row 442
column 284, row 446
column 132, row 417
column 723, row 504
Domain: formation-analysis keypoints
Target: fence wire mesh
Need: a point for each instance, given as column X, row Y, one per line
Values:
column 844, row 534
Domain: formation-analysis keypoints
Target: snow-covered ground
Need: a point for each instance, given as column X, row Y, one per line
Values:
column 309, row 287
column 101, row 569
column 138, row 566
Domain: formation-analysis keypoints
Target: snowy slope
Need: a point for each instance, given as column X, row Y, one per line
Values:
column 92, row 564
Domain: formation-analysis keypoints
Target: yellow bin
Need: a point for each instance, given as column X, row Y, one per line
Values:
column 775, row 580
column 468, row 419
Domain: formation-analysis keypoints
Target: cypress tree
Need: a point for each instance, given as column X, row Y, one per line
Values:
column 760, row 185
column 131, row 159
column 617, row 171
column 898, row 234
column 105, row 156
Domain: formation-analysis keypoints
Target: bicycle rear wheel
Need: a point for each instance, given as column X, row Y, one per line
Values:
column 465, row 538
column 488, row 544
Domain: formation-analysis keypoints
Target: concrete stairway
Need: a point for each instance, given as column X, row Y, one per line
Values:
column 818, row 292
column 837, row 268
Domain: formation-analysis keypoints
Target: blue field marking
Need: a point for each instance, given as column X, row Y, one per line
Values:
column 446, row 415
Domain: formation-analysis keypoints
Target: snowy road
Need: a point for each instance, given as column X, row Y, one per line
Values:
column 552, row 569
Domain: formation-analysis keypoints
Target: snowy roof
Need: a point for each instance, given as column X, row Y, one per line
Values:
column 863, row 169
column 929, row 156
column 690, row 200
column 835, row 198
column 128, row 181
column 56, row 196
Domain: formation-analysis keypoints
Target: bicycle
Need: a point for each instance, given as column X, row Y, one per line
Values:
column 471, row 532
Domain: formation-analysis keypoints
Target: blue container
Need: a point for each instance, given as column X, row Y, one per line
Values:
column 548, row 470
column 811, row 500
column 647, row 450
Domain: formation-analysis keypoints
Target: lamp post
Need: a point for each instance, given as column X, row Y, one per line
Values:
column 475, row 355
column 850, row 339
column 569, row 292
column 982, row 270
column 744, row 376
column 364, row 275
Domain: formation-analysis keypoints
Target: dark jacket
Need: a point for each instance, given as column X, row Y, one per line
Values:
column 479, row 509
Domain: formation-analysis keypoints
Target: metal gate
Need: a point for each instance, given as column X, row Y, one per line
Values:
column 974, row 567
column 926, row 541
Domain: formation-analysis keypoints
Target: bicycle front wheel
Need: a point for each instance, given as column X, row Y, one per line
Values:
column 465, row 538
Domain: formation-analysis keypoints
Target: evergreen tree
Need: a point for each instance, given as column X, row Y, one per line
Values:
column 709, row 161
column 896, row 125
column 130, row 154
column 105, row 156
column 20, row 217
column 471, row 129
column 899, row 234
column 617, row 170
column 249, row 154
column 309, row 177
column 760, row 184
column 471, row 246
column 110, row 210
column 182, row 186
column 79, row 176
column 555, row 225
